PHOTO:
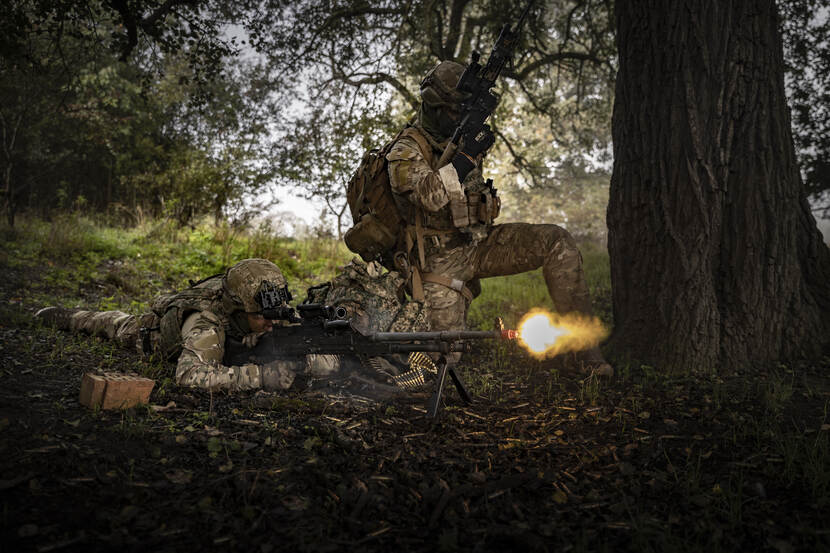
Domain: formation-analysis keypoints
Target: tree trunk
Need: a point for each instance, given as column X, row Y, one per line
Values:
column 716, row 260
column 8, row 199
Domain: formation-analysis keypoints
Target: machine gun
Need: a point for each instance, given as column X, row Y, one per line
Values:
column 322, row 329
column 476, row 82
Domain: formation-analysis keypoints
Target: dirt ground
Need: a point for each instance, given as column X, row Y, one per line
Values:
column 539, row 462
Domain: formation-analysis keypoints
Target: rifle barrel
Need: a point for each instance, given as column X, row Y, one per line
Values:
column 441, row 335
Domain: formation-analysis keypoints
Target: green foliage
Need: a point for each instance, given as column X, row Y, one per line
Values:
column 116, row 134
column 118, row 268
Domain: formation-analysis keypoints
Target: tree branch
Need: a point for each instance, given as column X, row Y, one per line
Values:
column 519, row 162
column 377, row 78
column 551, row 59
column 454, row 30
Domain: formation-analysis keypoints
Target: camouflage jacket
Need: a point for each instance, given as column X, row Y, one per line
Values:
column 417, row 184
column 374, row 300
column 193, row 325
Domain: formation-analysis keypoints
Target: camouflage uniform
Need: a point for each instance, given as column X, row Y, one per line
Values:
column 375, row 300
column 479, row 249
column 192, row 326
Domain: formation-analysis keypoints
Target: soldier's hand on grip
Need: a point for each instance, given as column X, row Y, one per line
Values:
column 474, row 144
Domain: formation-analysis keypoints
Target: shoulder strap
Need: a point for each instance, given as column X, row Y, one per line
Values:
column 423, row 144
column 194, row 283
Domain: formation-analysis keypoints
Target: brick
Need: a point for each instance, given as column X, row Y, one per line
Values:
column 114, row 391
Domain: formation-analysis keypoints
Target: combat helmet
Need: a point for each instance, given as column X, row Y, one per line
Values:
column 243, row 284
column 440, row 100
column 438, row 86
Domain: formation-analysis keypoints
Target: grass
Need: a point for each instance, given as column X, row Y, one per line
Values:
column 124, row 268
column 743, row 434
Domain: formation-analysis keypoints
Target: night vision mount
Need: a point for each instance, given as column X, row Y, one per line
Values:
column 274, row 302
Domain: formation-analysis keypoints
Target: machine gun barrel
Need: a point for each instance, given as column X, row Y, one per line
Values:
column 442, row 335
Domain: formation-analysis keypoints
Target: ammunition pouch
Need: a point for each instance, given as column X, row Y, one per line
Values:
column 475, row 208
column 369, row 238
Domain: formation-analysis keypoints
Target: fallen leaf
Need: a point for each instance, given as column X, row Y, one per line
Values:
column 312, row 442
column 478, row 477
column 296, row 503
column 129, row 512
column 782, row 546
column 179, row 476
column 214, row 446
column 560, row 497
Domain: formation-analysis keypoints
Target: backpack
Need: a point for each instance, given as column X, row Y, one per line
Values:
column 378, row 225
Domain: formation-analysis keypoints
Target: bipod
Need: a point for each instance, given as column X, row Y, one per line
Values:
column 434, row 403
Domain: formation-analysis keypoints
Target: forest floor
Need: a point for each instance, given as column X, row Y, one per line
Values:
column 541, row 461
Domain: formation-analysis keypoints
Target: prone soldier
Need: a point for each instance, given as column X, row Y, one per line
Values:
column 192, row 325
column 195, row 326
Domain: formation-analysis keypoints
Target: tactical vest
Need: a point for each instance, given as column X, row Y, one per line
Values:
column 387, row 230
column 172, row 310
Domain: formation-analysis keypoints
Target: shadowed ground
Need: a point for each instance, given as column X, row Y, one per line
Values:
column 539, row 462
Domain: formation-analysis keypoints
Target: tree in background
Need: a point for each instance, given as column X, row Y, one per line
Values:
column 805, row 27
column 715, row 257
column 178, row 129
column 343, row 67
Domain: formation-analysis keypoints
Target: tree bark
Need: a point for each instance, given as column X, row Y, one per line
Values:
column 716, row 260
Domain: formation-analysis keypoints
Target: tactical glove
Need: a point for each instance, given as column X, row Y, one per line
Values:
column 279, row 375
column 474, row 144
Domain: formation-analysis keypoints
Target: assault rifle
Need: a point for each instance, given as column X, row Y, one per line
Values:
column 322, row 329
column 476, row 81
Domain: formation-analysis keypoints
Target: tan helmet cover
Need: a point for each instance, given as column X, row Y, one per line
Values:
column 242, row 281
column 438, row 87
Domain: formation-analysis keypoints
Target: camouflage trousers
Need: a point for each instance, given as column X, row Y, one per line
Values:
column 116, row 326
column 507, row 250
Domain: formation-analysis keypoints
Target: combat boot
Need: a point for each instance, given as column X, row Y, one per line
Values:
column 56, row 317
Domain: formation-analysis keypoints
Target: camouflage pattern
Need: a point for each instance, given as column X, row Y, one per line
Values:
column 242, row 281
column 507, row 249
column 482, row 250
column 438, row 86
column 194, row 324
column 172, row 310
column 439, row 95
column 416, row 184
column 375, row 300
column 203, row 337
column 115, row 326
column 200, row 362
